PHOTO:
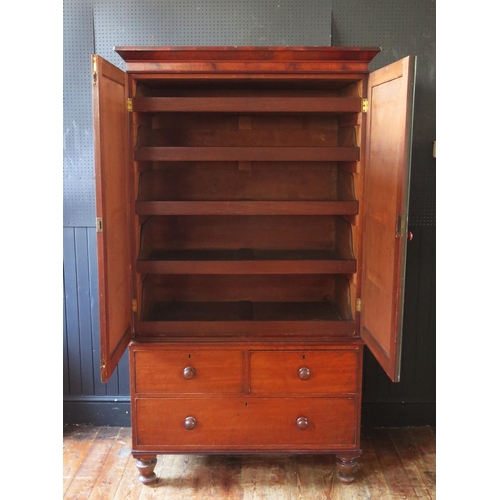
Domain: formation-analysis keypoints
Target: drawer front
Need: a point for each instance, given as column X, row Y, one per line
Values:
column 304, row 372
column 251, row 423
column 187, row 371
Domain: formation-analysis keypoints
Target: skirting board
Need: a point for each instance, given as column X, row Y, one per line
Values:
column 109, row 411
column 398, row 414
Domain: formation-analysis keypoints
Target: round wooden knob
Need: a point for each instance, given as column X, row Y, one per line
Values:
column 302, row 423
column 188, row 372
column 190, row 423
column 410, row 235
column 304, row 373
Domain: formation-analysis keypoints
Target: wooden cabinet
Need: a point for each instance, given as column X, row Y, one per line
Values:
column 251, row 218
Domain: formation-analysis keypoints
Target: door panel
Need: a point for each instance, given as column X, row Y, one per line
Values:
column 109, row 97
column 386, row 194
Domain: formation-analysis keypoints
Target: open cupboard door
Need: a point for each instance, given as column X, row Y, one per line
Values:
column 109, row 95
column 386, row 192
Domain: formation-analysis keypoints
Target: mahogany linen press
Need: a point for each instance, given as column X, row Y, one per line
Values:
column 252, row 207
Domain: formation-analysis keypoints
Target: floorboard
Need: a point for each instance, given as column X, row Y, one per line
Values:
column 396, row 464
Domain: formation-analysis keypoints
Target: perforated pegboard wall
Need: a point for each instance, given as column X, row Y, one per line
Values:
column 209, row 22
column 78, row 159
column 401, row 28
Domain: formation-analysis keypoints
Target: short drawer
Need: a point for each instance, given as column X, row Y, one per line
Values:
column 304, row 372
column 251, row 423
column 188, row 371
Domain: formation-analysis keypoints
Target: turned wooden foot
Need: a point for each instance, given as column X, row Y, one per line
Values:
column 347, row 467
column 146, row 466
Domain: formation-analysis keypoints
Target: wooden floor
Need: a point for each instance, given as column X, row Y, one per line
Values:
column 395, row 464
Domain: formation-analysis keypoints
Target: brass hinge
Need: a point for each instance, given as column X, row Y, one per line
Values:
column 134, row 305
column 365, row 105
column 94, row 70
column 98, row 225
column 358, row 305
column 103, row 367
column 129, row 104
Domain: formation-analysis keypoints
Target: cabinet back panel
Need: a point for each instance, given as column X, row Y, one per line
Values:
column 233, row 233
column 238, row 92
column 199, row 298
column 169, row 122
column 185, row 87
column 236, row 313
column 228, row 288
column 299, row 182
column 190, row 122
column 194, row 137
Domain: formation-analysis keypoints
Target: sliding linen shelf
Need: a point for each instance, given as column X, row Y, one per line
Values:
column 246, row 304
column 246, row 245
column 246, row 129
column 246, row 207
column 244, row 261
column 265, row 188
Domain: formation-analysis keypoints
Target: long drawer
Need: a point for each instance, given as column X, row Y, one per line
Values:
column 188, row 371
column 245, row 423
column 304, row 372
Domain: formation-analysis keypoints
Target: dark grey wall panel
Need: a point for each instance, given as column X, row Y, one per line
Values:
column 65, row 350
column 73, row 377
column 81, row 328
column 417, row 389
column 90, row 247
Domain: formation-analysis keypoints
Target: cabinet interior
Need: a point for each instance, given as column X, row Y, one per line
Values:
column 246, row 218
